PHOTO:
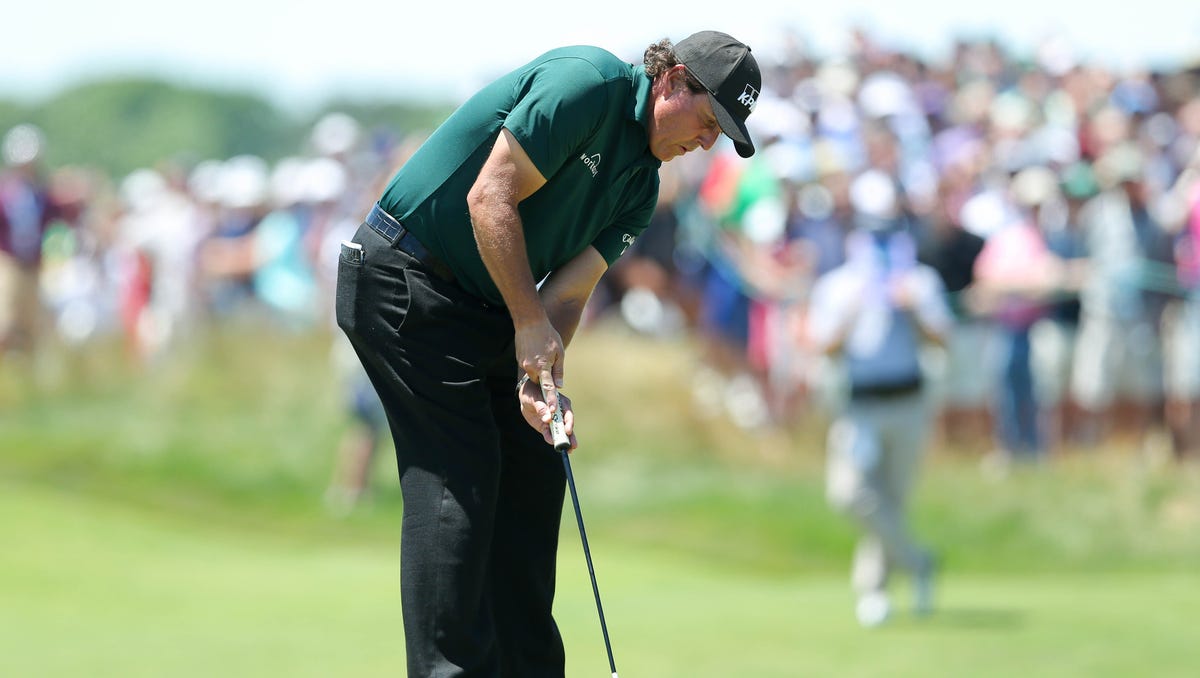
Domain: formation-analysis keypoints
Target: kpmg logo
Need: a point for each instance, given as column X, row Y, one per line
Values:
column 592, row 162
column 749, row 98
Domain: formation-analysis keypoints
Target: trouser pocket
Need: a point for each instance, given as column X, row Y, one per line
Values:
column 350, row 265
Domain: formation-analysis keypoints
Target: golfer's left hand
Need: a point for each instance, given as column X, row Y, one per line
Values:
column 539, row 353
column 538, row 414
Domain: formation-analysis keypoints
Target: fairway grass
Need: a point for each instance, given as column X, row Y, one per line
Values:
column 97, row 588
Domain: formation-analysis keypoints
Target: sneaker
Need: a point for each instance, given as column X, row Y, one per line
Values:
column 873, row 609
column 923, row 585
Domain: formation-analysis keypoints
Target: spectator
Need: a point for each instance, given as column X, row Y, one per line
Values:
column 26, row 212
column 157, row 242
column 948, row 132
column 873, row 313
column 1182, row 327
column 1016, row 274
column 1056, row 335
column 242, row 192
column 960, row 388
column 366, row 430
column 1119, row 354
column 728, row 195
column 645, row 282
column 72, row 260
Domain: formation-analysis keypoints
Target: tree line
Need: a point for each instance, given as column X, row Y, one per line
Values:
column 120, row 124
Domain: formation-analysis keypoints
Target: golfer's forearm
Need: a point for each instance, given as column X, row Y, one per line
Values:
column 565, row 319
column 501, row 241
column 566, row 292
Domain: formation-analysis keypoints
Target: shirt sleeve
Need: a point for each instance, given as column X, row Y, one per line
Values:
column 559, row 104
column 613, row 241
column 630, row 224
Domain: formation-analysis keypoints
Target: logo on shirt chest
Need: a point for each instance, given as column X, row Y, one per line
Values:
column 592, row 162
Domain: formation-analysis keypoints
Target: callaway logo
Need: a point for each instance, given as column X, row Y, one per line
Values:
column 592, row 162
column 628, row 240
column 749, row 98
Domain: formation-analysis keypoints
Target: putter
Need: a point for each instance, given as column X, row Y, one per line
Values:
column 563, row 444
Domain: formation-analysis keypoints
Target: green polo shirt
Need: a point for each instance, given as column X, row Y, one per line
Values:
column 580, row 114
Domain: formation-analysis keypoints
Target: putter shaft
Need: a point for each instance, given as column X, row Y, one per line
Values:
column 587, row 554
column 562, row 443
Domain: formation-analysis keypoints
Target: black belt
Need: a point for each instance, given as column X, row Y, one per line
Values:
column 401, row 238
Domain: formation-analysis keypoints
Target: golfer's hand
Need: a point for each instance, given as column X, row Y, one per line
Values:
column 539, row 350
column 538, row 414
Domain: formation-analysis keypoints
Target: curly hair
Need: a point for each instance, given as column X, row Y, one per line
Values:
column 660, row 58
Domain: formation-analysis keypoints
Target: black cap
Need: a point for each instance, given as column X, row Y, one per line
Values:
column 729, row 72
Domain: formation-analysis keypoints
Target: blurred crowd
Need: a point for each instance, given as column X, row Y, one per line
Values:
column 151, row 255
column 1058, row 200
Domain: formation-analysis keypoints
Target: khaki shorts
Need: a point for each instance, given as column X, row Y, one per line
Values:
column 1114, row 360
column 20, row 303
column 1181, row 350
column 960, row 375
column 1053, row 345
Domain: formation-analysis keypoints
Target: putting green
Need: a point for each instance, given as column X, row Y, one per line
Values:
column 97, row 587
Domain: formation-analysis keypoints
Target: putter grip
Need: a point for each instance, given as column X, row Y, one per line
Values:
column 558, row 432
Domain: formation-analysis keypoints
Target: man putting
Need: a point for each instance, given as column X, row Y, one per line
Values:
column 469, row 278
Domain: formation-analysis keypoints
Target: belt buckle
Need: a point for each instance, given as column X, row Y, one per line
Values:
column 393, row 232
column 385, row 225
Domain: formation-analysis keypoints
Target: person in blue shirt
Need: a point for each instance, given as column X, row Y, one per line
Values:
column 872, row 315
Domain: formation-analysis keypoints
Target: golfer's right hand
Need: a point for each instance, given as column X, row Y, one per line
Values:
column 538, row 414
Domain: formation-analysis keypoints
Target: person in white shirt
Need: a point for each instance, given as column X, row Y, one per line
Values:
column 873, row 313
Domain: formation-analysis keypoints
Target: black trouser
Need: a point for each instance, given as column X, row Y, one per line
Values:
column 483, row 492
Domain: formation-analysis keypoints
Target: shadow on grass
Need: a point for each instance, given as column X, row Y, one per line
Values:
column 976, row 619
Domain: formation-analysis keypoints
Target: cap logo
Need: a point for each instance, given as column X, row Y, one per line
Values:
column 749, row 98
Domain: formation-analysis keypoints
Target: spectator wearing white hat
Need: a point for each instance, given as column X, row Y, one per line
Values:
column 242, row 194
column 872, row 314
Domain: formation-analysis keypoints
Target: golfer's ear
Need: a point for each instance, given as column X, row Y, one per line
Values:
column 677, row 78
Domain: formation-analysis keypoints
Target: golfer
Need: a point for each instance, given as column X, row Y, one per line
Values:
column 460, row 294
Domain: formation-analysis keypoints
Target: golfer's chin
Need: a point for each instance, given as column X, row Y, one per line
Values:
column 669, row 153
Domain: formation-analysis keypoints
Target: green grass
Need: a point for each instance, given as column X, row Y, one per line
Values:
column 94, row 587
column 167, row 520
